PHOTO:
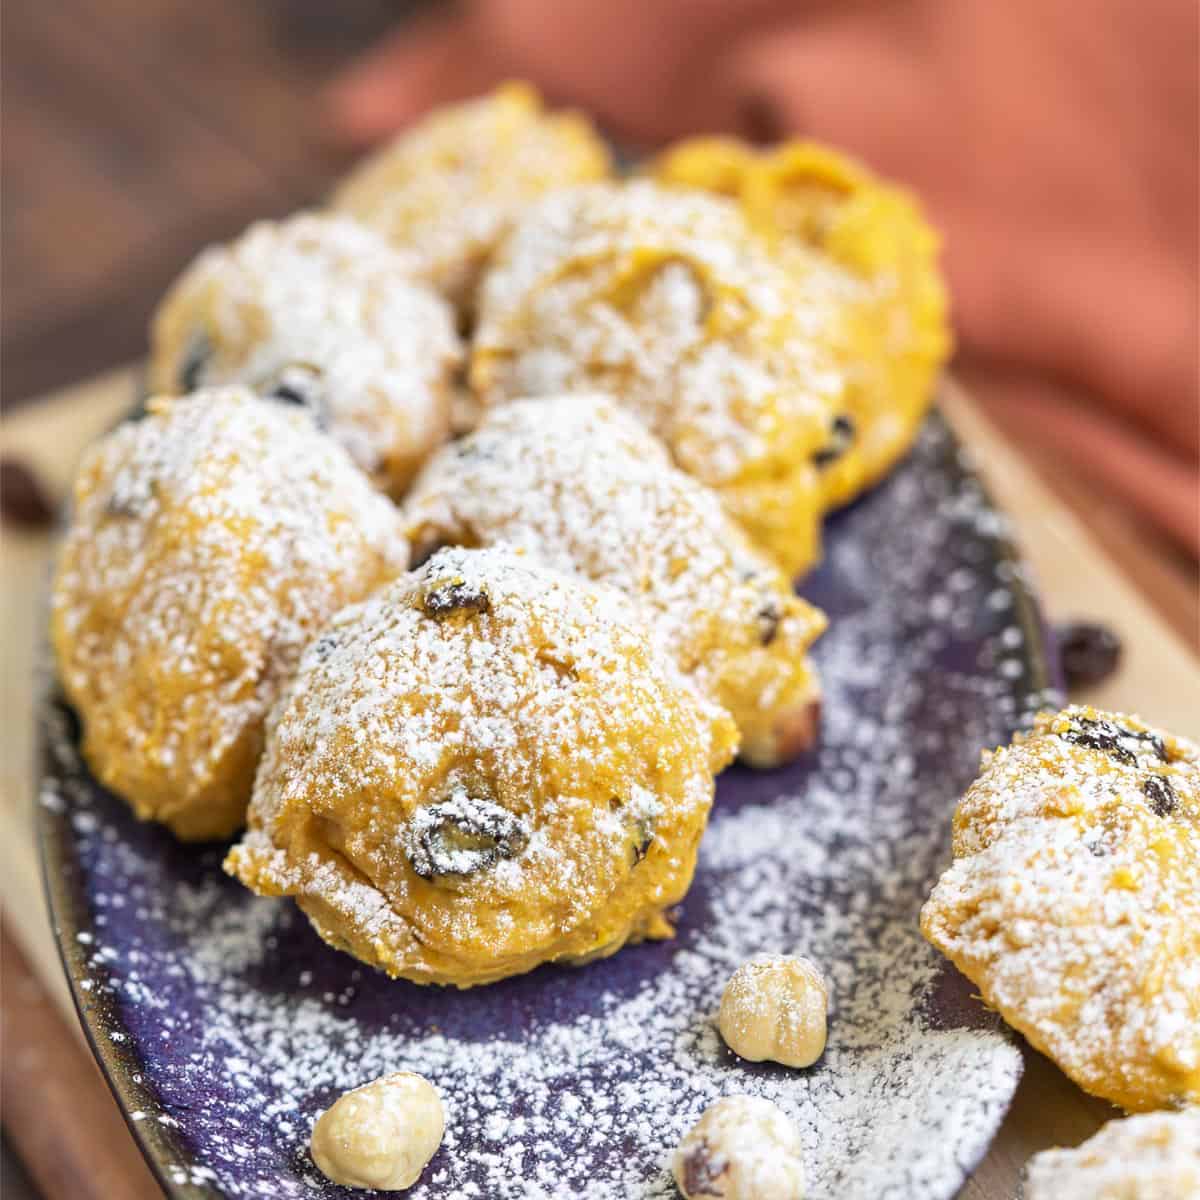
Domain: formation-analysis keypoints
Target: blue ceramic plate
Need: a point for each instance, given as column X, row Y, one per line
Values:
column 224, row 1025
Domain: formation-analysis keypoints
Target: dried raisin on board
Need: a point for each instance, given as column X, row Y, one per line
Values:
column 24, row 501
column 1089, row 652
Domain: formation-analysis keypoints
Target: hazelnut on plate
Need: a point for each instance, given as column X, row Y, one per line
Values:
column 742, row 1148
column 380, row 1135
column 774, row 1009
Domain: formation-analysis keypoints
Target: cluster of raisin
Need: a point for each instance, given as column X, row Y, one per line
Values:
column 1129, row 747
column 1126, row 746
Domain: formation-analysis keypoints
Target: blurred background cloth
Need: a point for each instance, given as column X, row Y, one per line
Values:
column 1054, row 143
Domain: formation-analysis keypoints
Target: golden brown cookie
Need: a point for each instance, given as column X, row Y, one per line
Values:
column 209, row 541
column 1073, row 903
column 666, row 300
column 318, row 311
column 709, row 164
column 891, row 310
column 580, row 484
column 1154, row 1156
column 447, row 190
column 482, row 768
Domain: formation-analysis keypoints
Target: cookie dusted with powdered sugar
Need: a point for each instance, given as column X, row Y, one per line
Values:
column 1154, row 1156
column 482, row 768
column 209, row 542
column 321, row 312
column 667, row 301
column 887, row 312
column 448, row 189
column 1073, row 903
column 581, row 485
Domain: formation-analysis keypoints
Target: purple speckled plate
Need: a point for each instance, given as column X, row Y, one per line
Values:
column 224, row 1025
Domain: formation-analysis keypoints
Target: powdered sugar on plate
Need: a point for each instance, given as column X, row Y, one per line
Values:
column 241, row 1026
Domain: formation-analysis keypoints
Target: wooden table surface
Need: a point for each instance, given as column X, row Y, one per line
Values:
column 135, row 131
column 86, row 1152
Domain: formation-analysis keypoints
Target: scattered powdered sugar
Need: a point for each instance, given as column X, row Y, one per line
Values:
column 323, row 311
column 579, row 1083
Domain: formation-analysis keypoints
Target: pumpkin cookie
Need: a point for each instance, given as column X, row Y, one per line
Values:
column 581, row 485
column 447, row 190
column 480, row 769
column 890, row 324
column 318, row 311
column 667, row 301
column 1073, row 902
column 209, row 541
column 1155, row 1156
column 709, row 164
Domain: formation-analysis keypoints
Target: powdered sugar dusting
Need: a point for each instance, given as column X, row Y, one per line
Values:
column 449, row 188
column 667, row 300
column 325, row 310
column 209, row 541
column 490, row 703
column 578, row 483
column 1072, row 901
column 581, row 1082
column 1155, row 1156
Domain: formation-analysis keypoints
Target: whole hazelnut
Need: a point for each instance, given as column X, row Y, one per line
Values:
column 742, row 1148
column 774, row 1008
column 380, row 1135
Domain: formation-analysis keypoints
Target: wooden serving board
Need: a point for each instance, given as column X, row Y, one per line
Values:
column 85, row 1151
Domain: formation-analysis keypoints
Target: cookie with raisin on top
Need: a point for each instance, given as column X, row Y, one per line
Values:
column 825, row 215
column 482, row 768
column 581, row 485
column 318, row 312
column 1073, row 902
